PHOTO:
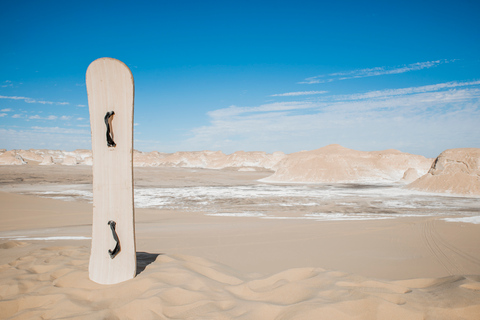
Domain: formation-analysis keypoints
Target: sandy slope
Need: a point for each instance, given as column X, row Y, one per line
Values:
column 52, row 283
column 335, row 163
column 454, row 171
column 193, row 266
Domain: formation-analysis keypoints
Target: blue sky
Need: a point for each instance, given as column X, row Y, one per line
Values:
column 248, row 75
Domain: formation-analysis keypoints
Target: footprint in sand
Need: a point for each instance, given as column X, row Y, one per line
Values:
column 13, row 244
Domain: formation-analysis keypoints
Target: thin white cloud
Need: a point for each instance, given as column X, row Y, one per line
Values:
column 426, row 119
column 405, row 91
column 17, row 116
column 38, row 117
column 31, row 100
column 437, row 92
column 45, row 137
column 59, row 130
column 299, row 93
column 2, row 115
column 6, row 83
column 6, row 110
column 371, row 72
column 15, row 98
column 270, row 107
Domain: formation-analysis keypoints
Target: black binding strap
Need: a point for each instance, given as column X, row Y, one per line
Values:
column 116, row 250
column 110, row 141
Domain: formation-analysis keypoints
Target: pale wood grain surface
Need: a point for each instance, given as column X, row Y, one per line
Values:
column 110, row 88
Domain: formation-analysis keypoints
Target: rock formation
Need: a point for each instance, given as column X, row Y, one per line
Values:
column 69, row 161
column 47, row 161
column 195, row 159
column 335, row 163
column 454, row 171
column 11, row 158
column 207, row 159
column 329, row 164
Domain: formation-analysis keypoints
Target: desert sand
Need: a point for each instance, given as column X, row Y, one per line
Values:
column 232, row 247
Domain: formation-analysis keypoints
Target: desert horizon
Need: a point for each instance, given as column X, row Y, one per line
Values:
column 332, row 163
column 246, row 237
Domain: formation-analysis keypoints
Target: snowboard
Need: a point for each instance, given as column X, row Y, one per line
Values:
column 110, row 90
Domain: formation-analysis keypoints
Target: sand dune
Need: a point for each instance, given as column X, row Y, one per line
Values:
column 335, row 163
column 454, row 171
column 52, row 283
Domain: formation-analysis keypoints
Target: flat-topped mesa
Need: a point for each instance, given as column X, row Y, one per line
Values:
column 454, row 171
column 335, row 163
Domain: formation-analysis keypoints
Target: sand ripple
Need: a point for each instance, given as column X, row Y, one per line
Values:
column 52, row 283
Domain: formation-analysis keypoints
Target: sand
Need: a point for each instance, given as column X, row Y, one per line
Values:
column 197, row 266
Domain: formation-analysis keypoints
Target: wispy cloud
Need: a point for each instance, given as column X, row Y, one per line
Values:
column 31, row 100
column 372, row 72
column 6, row 83
column 59, row 130
column 6, row 110
column 429, row 118
column 45, row 137
column 299, row 93
column 379, row 94
column 270, row 107
column 38, row 117
column 3, row 115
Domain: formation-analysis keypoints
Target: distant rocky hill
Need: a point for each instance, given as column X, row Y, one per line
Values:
column 332, row 163
column 45, row 157
column 335, row 163
column 194, row 159
column 454, row 171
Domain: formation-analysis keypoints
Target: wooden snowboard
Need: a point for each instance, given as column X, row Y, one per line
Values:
column 110, row 91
